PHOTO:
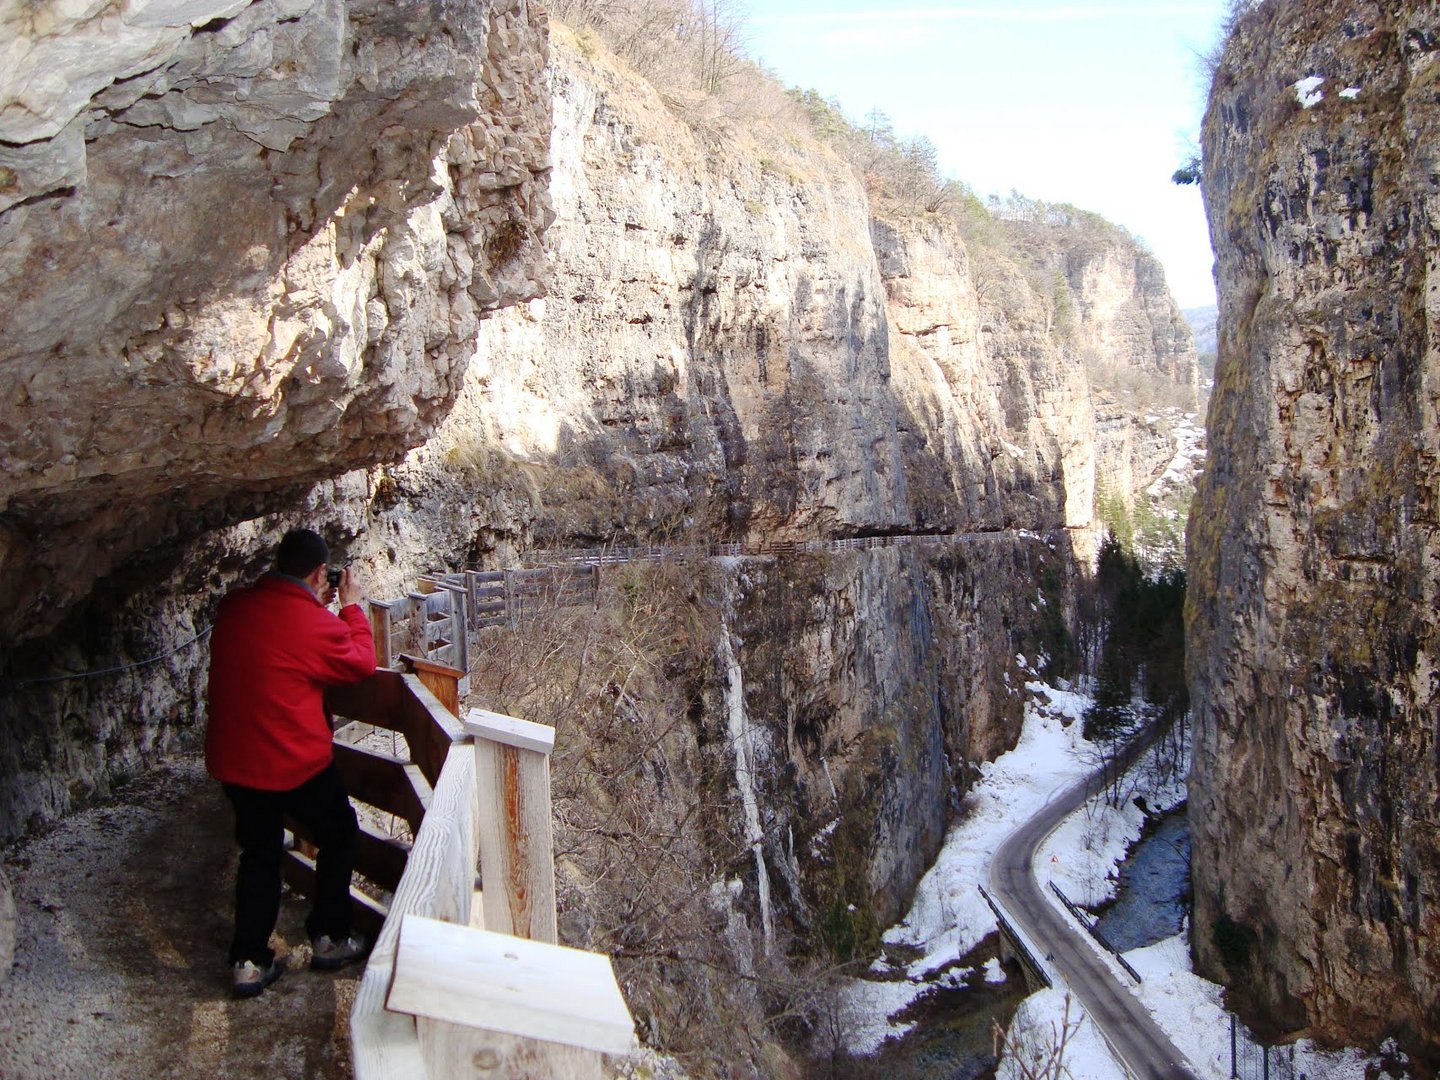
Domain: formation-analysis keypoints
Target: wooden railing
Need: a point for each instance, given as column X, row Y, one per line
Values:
column 438, row 619
column 441, row 996
column 403, row 786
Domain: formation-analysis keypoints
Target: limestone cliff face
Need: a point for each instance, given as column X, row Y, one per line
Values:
column 713, row 355
column 244, row 247
column 997, row 421
column 753, row 349
column 1126, row 319
column 1313, row 545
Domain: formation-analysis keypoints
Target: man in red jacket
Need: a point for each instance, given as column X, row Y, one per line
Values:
column 274, row 649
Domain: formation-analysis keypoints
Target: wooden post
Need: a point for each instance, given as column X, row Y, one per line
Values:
column 517, row 868
column 511, row 607
column 380, row 630
column 491, row 1004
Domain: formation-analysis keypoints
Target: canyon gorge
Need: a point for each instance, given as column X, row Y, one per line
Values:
column 458, row 285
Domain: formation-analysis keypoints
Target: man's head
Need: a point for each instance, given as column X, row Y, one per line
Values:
column 301, row 553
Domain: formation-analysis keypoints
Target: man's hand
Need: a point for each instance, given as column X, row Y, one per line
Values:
column 350, row 591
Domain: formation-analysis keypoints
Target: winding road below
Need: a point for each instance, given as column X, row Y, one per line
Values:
column 1142, row 1047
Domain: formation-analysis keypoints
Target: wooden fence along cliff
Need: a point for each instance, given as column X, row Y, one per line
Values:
column 467, row 977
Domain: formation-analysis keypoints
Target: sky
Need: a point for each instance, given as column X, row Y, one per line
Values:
column 1090, row 102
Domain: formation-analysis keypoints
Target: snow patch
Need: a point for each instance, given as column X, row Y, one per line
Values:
column 1189, row 455
column 865, row 1009
column 1039, row 1021
column 1308, row 92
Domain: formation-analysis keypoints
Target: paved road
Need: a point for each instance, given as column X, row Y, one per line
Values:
column 1143, row 1048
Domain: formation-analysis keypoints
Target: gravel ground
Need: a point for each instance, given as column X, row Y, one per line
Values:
column 124, row 919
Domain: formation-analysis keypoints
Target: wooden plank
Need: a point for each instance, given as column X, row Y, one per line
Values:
column 459, row 624
column 517, row 861
column 399, row 702
column 405, row 606
column 546, row 573
column 420, row 785
column 476, row 978
column 379, row 857
column 450, row 1050
column 366, row 914
column 439, row 881
column 442, row 680
column 429, row 727
column 380, row 631
column 385, row 782
column 373, row 700
column 510, row 730
column 511, row 601
column 473, row 587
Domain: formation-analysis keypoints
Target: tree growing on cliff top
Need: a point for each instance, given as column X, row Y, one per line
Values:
column 687, row 45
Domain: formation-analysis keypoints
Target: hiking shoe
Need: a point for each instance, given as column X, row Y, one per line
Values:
column 329, row 954
column 248, row 980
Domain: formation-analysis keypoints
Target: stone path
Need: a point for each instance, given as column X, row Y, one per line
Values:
column 124, row 917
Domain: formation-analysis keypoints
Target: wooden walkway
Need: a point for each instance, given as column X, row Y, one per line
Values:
column 438, row 619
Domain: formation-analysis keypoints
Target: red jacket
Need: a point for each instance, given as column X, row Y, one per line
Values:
column 273, row 651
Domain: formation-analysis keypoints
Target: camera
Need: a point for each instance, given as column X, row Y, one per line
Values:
column 333, row 575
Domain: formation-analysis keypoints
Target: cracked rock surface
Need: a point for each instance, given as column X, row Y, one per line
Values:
column 245, row 247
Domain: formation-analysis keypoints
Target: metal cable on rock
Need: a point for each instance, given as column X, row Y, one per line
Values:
column 119, row 668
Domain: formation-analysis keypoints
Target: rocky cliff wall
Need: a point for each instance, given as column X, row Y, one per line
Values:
column 1126, row 321
column 244, row 247
column 1314, row 566
column 997, row 424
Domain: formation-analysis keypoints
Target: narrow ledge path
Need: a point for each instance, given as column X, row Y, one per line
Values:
column 1144, row 1050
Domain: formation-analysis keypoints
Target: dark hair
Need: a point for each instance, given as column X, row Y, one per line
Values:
column 300, row 552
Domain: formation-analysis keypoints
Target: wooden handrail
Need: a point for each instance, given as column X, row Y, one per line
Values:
column 436, row 1035
column 569, row 1011
column 439, row 882
column 401, row 703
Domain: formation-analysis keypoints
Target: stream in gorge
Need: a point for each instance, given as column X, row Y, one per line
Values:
column 1154, row 890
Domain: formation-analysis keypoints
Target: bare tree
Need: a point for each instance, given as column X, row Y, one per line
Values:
column 1035, row 1053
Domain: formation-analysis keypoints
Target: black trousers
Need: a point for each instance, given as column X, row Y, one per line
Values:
column 321, row 805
